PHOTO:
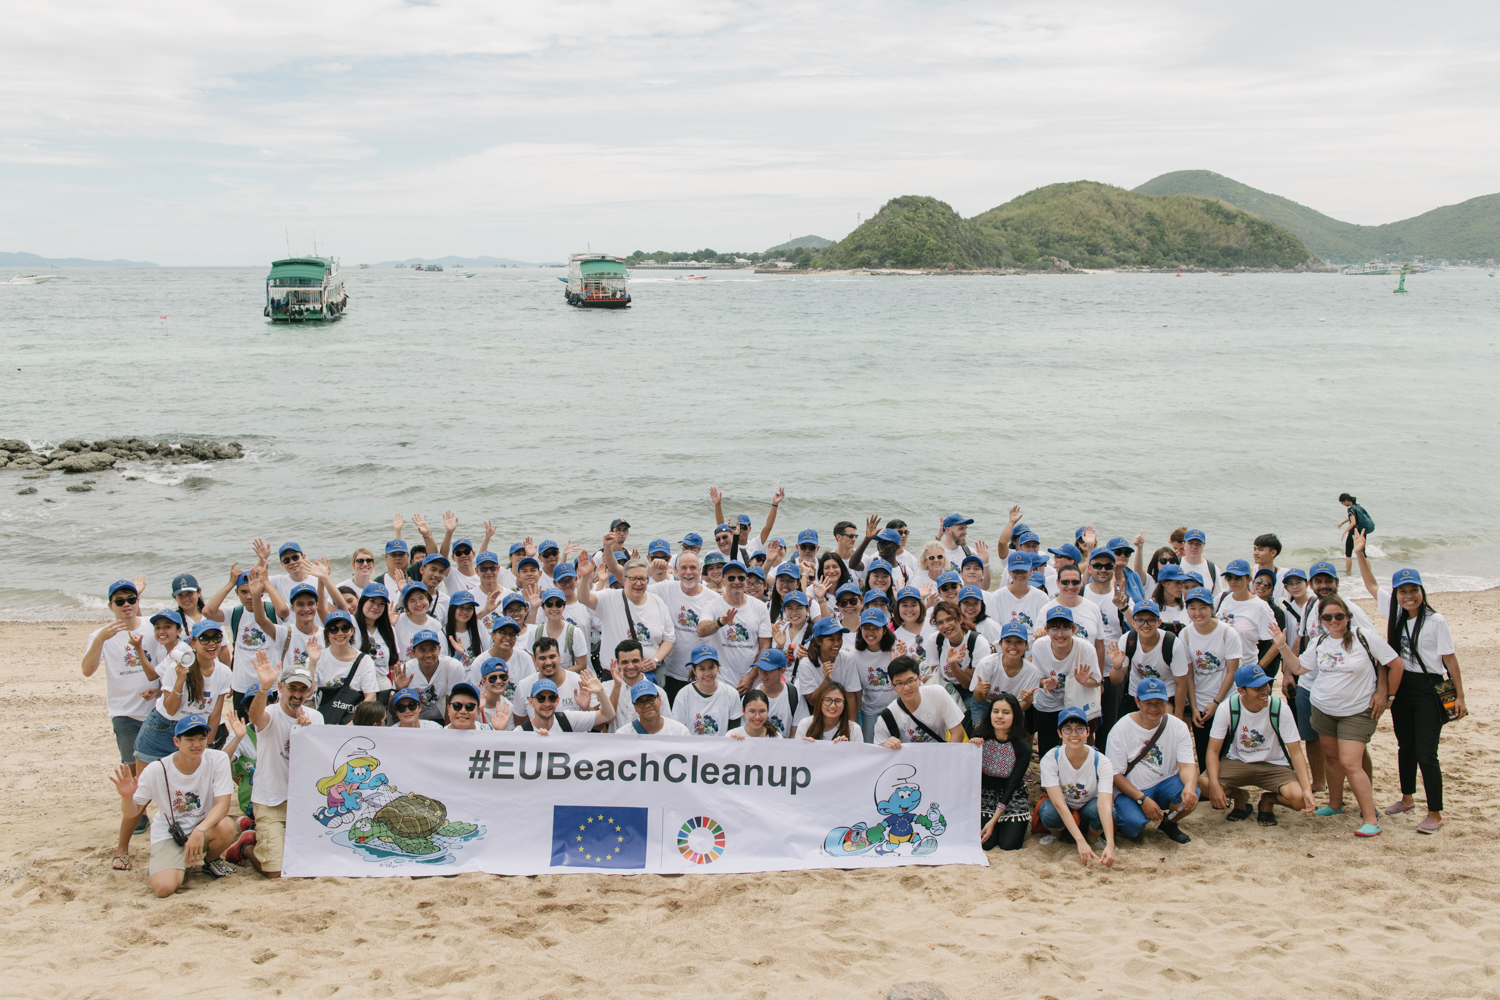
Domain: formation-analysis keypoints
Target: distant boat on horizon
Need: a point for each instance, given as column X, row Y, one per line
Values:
column 31, row 279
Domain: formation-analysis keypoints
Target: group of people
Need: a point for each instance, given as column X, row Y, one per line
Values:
column 1138, row 681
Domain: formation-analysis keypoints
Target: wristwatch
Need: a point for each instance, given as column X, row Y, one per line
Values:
column 1141, row 801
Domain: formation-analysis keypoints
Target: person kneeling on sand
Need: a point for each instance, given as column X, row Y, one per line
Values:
column 191, row 789
column 1078, row 779
column 1156, row 770
column 1258, row 752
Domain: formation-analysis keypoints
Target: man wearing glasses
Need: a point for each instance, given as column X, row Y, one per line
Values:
column 743, row 626
column 125, row 683
column 297, row 568
column 463, row 708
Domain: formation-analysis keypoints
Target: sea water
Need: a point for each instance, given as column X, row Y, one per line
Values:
column 1239, row 405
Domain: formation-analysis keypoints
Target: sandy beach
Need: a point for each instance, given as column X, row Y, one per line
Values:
column 1301, row 909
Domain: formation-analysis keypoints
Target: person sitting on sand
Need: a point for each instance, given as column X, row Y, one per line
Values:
column 921, row 713
column 191, row 789
column 1005, row 752
column 1078, row 779
column 1156, row 769
column 1263, row 751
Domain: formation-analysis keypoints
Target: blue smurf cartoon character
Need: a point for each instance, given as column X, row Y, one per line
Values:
column 354, row 774
column 897, row 798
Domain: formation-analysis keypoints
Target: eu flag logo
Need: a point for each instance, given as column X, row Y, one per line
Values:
column 590, row 837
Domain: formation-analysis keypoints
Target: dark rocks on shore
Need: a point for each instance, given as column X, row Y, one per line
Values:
column 78, row 456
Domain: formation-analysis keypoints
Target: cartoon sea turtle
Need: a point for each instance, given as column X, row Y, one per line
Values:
column 407, row 822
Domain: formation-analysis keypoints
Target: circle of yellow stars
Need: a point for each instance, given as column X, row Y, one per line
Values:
column 618, row 839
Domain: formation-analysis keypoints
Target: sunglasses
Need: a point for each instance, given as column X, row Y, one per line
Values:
column 1108, row 566
column 848, row 534
column 1334, row 617
column 901, row 531
column 1070, row 583
column 935, row 557
column 849, row 603
column 463, row 706
column 364, row 562
column 545, row 699
column 721, row 538
column 339, row 628
column 734, row 579
column 497, row 678
column 287, row 560
column 468, row 551
column 553, row 604
column 124, row 602
column 204, row 640
column 407, row 706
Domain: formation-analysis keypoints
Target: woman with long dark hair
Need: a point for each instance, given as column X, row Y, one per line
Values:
column 376, row 636
column 462, row 627
column 787, row 578
column 1005, row 746
column 833, row 717
column 755, row 718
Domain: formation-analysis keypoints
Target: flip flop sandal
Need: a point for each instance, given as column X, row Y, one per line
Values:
column 1266, row 818
column 121, row 863
column 1368, row 830
column 1429, row 825
column 1398, row 807
column 1326, row 811
column 1235, row 815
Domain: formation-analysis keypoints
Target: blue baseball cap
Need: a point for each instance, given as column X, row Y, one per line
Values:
column 756, row 570
column 336, row 615
column 459, row 543
column 890, row 535
column 1168, row 571
column 721, row 527
column 242, row 580
column 411, row 588
column 120, row 585
column 184, row 582
column 1198, row 594
column 876, row 564
column 693, row 539
column 971, row 557
column 299, row 590
column 1146, row 608
column 553, row 593
column 514, row 597
column 796, row 597
column 493, row 665
column 406, row 694
column 703, row 654
column 426, row 635
column 659, row 545
column 1294, row 572
column 1080, row 532
column 528, row 559
column 396, row 545
column 771, row 659
column 779, row 541
column 1102, row 553
column 1020, row 529
column 876, row 595
column 288, row 547
column 1074, row 714
column 486, row 557
column 1019, row 562
column 462, row 599
column 1251, row 676
column 1152, row 689
column 1059, row 613
column 190, row 723
column 849, row 588
column 807, row 536
column 171, row 616
column 547, row 544
column 743, row 520
column 1195, row 535
column 641, row 690
column 828, row 626
column 375, row 590
column 1027, row 537
column 789, row 569
column 542, row 686
column 1014, row 630
column 463, row 686
column 954, row 520
column 714, row 558
column 1237, row 567
column 1193, row 576
column 946, row 577
column 906, row 592
column 502, row 622
column 971, row 591
column 434, row 559
column 875, row 616
column 1067, row 551
column 516, row 547
column 564, row 571
column 734, row 564
column 1120, row 545
column 1323, row 568
column 1402, row 576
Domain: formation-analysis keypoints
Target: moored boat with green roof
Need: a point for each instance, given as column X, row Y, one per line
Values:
column 305, row 289
column 597, row 280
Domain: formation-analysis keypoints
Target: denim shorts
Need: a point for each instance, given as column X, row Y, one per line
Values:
column 1088, row 816
column 154, row 741
column 1304, row 714
column 126, row 730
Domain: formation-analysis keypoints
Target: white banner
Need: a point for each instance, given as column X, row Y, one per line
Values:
column 367, row 801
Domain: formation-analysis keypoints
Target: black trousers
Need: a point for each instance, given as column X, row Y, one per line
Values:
column 1007, row 836
column 1109, row 707
column 1046, row 732
column 1417, row 717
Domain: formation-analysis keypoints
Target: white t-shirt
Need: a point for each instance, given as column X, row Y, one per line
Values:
column 456, row 581
column 580, row 642
column 582, row 722
column 1346, row 677
column 992, row 671
column 653, row 623
column 1154, row 663
column 738, row 642
column 249, row 640
column 938, row 657
column 1127, row 738
column 856, row 735
column 274, row 752
column 434, row 690
column 1250, row 619
column 1087, row 618
column 669, row 727
column 1213, row 586
column 625, row 710
column 937, row 710
column 292, row 642
column 810, row 675
column 1256, row 741
column 332, row 671
column 405, row 628
column 687, row 610
column 741, row 731
column 215, row 686
column 786, row 708
column 1209, row 657
column 1004, row 607
column 874, row 682
column 1109, row 615
column 186, row 798
column 284, row 585
column 1079, row 785
column 1313, row 630
column 124, row 675
column 710, row 715
column 1175, row 613
column 1050, row 666
column 1434, row 641
column 567, row 692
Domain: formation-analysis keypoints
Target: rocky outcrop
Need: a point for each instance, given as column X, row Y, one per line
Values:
column 77, row 456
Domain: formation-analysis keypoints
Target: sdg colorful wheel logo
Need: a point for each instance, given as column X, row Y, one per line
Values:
column 701, row 840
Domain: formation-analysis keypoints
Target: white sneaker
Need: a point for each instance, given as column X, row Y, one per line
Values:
column 1100, row 844
column 1048, row 839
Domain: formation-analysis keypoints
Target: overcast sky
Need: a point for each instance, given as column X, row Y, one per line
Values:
column 194, row 132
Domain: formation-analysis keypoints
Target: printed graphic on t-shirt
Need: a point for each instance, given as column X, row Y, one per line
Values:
column 251, row 637
column 1148, row 670
column 133, row 662
column 1206, row 662
column 1331, row 660
column 642, row 633
column 1153, row 756
column 1023, row 618
column 1074, row 791
column 1251, row 739
column 185, row 802
column 704, row 725
column 687, row 617
column 737, row 633
column 299, row 657
column 876, row 674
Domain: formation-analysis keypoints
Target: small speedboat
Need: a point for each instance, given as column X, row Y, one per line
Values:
column 30, row 279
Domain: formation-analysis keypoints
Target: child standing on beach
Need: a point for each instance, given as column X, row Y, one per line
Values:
column 1359, row 519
